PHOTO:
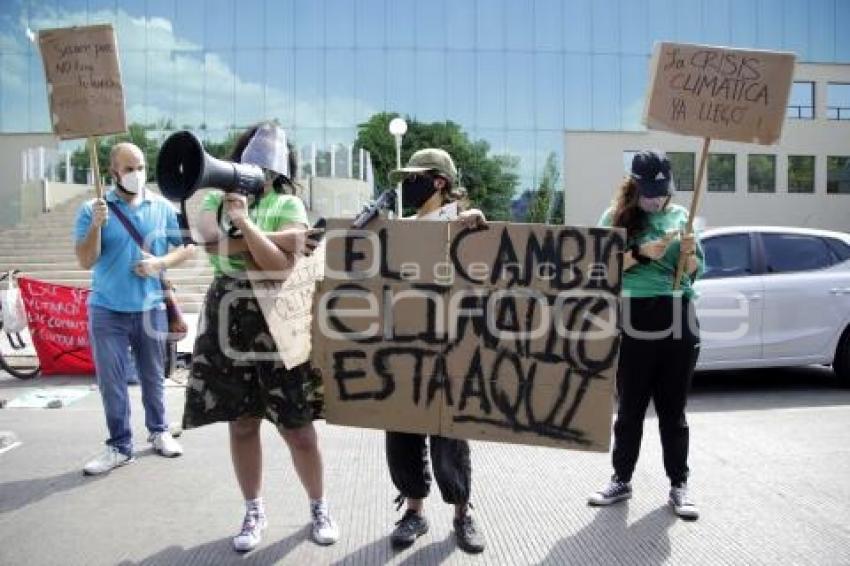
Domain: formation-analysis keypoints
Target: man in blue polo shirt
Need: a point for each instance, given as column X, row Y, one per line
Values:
column 126, row 307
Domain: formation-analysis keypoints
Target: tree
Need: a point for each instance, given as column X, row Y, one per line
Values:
column 224, row 148
column 490, row 180
column 542, row 205
column 136, row 133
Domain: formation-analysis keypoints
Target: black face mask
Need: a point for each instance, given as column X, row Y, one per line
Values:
column 416, row 190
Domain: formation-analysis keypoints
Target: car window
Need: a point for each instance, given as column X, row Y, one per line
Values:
column 788, row 253
column 840, row 249
column 727, row 256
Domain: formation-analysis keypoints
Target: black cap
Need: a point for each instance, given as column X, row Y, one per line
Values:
column 651, row 172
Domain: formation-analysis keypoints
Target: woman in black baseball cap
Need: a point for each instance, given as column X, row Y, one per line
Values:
column 660, row 338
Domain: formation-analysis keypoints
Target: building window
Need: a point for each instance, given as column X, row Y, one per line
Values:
column 790, row 253
column 721, row 172
column 838, row 101
column 761, row 173
column 838, row 175
column 801, row 173
column 801, row 105
column 682, row 164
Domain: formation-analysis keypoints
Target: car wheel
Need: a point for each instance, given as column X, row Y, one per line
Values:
column 841, row 363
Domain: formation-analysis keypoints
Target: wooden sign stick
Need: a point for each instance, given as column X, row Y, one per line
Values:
column 95, row 166
column 703, row 161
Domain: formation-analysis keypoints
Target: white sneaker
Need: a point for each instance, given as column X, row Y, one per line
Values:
column 107, row 460
column 324, row 529
column 682, row 504
column 165, row 445
column 252, row 531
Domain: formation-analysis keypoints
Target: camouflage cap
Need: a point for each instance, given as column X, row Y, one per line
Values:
column 428, row 159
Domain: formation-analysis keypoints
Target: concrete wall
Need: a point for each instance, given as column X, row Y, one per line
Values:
column 56, row 193
column 31, row 199
column 593, row 168
column 11, row 146
column 336, row 198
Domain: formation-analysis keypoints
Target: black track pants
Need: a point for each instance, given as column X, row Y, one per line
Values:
column 407, row 455
column 659, row 368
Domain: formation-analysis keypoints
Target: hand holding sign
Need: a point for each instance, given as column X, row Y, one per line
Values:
column 717, row 93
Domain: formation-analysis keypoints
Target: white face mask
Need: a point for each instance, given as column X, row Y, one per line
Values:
column 652, row 204
column 133, row 181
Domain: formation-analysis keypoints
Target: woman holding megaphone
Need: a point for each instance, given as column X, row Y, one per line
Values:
column 660, row 337
column 243, row 380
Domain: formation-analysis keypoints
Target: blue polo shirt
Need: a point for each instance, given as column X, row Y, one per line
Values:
column 114, row 284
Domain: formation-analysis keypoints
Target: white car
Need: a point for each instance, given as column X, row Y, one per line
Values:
column 774, row 297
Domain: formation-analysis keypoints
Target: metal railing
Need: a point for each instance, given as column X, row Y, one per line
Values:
column 835, row 113
column 801, row 112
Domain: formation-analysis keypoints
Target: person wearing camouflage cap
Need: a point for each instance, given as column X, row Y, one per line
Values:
column 428, row 182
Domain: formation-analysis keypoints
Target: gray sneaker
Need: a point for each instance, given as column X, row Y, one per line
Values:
column 682, row 504
column 615, row 491
column 469, row 537
column 410, row 527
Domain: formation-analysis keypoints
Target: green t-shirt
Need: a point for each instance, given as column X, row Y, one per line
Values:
column 273, row 211
column 656, row 277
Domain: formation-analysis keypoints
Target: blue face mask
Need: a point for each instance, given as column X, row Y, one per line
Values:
column 652, row 204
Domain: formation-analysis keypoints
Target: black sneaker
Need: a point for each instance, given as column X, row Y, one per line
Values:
column 615, row 491
column 469, row 538
column 410, row 527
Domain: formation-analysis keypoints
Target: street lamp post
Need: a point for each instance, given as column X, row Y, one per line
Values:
column 398, row 127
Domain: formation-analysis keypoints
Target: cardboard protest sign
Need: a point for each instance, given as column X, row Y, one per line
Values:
column 58, row 322
column 508, row 334
column 719, row 92
column 287, row 307
column 83, row 81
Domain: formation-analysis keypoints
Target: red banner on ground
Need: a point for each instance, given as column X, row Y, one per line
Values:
column 59, row 326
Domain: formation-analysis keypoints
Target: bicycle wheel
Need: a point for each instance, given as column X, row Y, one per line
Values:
column 18, row 360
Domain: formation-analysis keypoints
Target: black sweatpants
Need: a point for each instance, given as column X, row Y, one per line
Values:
column 659, row 368
column 407, row 456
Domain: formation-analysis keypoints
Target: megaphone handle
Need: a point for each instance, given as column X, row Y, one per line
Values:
column 183, row 221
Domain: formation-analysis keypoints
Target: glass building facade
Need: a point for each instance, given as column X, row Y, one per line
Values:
column 515, row 73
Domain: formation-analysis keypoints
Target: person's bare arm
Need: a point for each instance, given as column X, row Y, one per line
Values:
column 150, row 265
column 264, row 252
column 88, row 249
column 293, row 240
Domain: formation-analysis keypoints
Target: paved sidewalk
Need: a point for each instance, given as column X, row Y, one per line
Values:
column 770, row 466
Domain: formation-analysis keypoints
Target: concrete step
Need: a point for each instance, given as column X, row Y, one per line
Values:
column 83, row 279
column 70, row 264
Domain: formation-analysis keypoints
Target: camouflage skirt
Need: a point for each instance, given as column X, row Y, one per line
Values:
column 236, row 371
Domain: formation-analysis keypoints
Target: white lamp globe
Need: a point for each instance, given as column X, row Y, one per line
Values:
column 398, row 127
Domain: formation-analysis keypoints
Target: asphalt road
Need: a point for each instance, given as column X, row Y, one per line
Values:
column 770, row 455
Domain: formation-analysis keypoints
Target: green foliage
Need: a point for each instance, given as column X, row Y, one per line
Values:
column 543, row 203
column 801, row 174
column 143, row 136
column 136, row 133
column 224, row 148
column 490, row 180
column 721, row 172
column 761, row 174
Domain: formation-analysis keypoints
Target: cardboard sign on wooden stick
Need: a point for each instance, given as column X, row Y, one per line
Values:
column 83, row 81
column 719, row 92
